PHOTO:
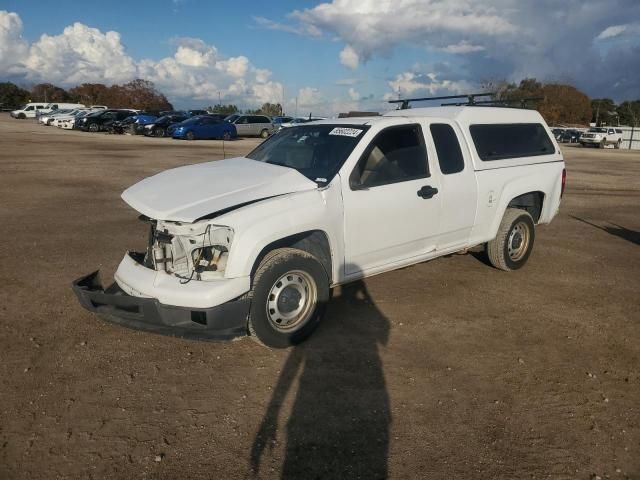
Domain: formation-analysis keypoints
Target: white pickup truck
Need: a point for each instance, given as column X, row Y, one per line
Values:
column 601, row 137
column 253, row 245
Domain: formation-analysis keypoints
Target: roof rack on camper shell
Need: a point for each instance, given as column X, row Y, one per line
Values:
column 470, row 100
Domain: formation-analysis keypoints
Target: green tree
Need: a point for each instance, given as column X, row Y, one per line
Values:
column 603, row 111
column 629, row 113
column 12, row 96
column 224, row 109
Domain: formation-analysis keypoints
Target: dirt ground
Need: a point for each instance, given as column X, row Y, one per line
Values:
column 448, row 369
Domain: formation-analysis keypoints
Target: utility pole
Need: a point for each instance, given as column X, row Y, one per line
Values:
column 296, row 106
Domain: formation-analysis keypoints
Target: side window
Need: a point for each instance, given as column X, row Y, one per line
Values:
column 510, row 140
column 448, row 148
column 611, row 131
column 243, row 120
column 54, row 107
column 29, row 108
column 263, row 120
column 396, row 154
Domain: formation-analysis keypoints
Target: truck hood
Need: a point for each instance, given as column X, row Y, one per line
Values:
column 186, row 194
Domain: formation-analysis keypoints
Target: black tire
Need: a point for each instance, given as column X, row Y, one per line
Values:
column 300, row 271
column 226, row 135
column 264, row 133
column 602, row 143
column 512, row 246
column 93, row 127
column 159, row 132
column 21, row 116
column 618, row 144
column 190, row 136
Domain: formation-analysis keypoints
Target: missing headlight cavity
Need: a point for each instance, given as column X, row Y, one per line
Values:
column 199, row 317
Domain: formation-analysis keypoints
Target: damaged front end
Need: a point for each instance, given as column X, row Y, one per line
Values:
column 195, row 251
column 177, row 287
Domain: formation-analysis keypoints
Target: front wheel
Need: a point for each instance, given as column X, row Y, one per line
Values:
column 226, row 135
column 159, row 132
column 93, row 127
column 288, row 297
column 264, row 133
column 512, row 246
column 190, row 136
column 618, row 144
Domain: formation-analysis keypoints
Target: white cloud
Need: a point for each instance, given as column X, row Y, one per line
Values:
column 354, row 94
column 347, row 81
column 13, row 48
column 500, row 39
column 612, row 31
column 196, row 71
column 410, row 83
column 349, row 57
column 462, row 48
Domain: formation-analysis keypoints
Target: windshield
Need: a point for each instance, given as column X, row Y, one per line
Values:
column 598, row 130
column 316, row 151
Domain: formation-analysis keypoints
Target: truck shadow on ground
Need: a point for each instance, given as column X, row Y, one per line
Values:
column 616, row 230
column 340, row 419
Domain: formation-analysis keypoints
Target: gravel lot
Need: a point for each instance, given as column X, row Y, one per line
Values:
column 449, row 369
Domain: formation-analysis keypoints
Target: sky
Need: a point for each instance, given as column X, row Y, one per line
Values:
column 322, row 58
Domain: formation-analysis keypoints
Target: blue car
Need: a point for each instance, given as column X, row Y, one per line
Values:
column 203, row 127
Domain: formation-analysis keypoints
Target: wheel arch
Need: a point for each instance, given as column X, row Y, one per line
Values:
column 532, row 202
column 314, row 242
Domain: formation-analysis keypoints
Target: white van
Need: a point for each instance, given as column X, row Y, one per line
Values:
column 60, row 106
column 29, row 110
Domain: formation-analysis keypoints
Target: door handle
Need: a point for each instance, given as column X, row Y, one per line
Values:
column 427, row 191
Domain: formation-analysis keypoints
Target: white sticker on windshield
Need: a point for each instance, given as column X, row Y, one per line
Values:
column 346, row 132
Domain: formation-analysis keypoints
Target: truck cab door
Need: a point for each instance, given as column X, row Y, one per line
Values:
column 458, row 185
column 391, row 203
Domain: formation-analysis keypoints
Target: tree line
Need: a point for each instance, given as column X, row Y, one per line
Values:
column 138, row 94
column 559, row 104
column 563, row 104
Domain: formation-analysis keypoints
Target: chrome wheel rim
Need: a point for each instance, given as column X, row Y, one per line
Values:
column 291, row 300
column 518, row 242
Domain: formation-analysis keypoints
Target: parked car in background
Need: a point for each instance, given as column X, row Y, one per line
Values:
column 601, row 137
column 56, row 119
column 133, row 125
column 98, row 107
column 51, row 107
column 68, row 123
column 299, row 121
column 204, row 127
column 570, row 136
column 28, row 111
column 194, row 113
column 159, row 127
column 251, row 125
column 102, row 119
column 46, row 118
column 281, row 119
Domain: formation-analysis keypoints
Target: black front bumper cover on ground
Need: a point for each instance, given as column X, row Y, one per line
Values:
column 222, row 322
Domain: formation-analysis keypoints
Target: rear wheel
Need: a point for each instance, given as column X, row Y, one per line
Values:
column 512, row 246
column 190, row 136
column 288, row 297
column 264, row 133
column 618, row 144
column 603, row 143
column 226, row 135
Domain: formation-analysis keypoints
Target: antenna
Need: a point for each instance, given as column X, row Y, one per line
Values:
column 471, row 99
